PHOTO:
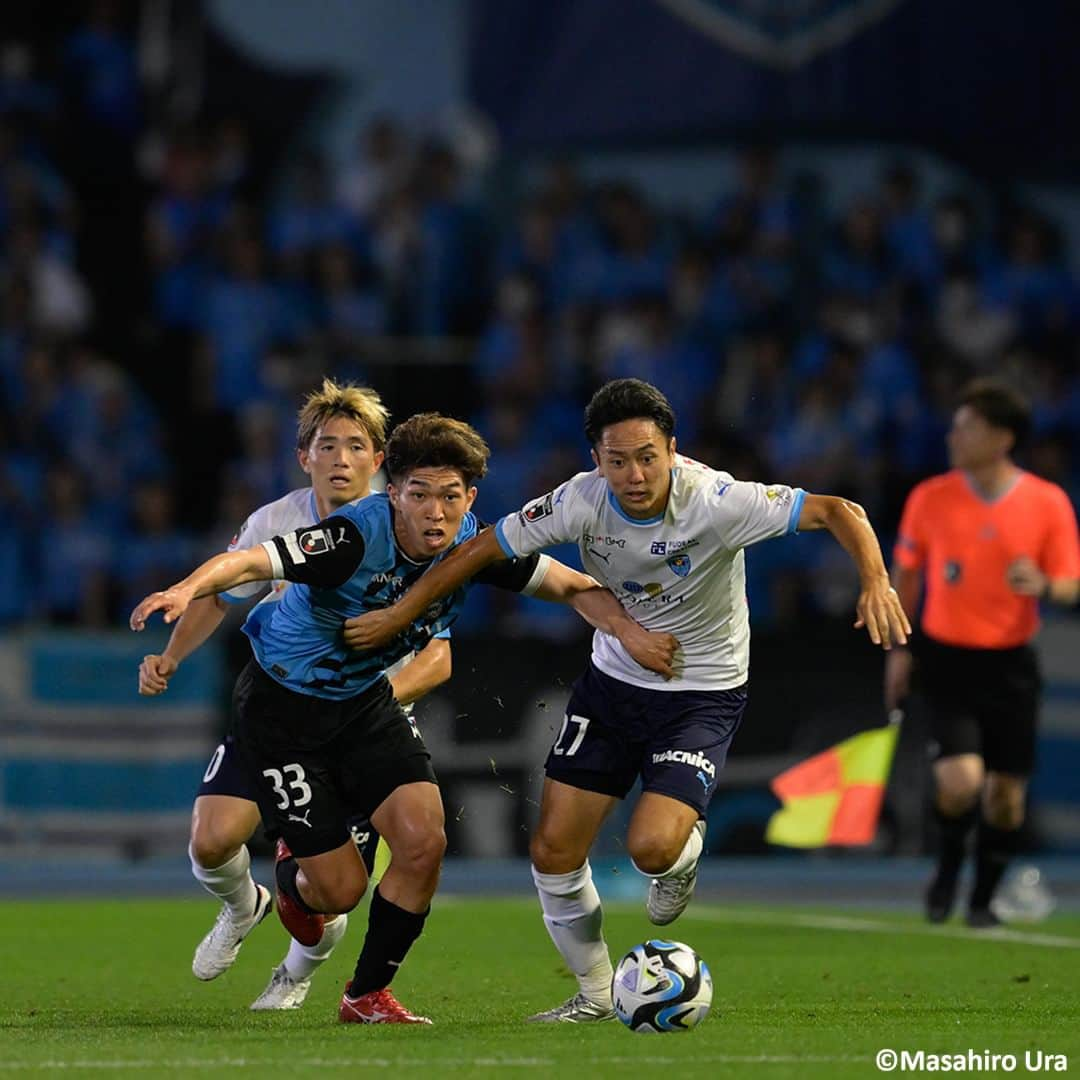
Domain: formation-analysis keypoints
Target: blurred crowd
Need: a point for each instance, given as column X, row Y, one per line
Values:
column 796, row 343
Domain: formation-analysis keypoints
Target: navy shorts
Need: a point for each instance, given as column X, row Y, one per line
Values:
column 321, row 764
column 676, row 740
column 225, row 775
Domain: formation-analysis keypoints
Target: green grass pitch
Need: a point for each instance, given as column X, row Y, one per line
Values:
column 104, row 988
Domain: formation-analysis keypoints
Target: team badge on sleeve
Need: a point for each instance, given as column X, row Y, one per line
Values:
column 314, row 542
column 542, row 508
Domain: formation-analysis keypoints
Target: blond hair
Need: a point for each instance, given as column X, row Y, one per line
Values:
column 359, row 403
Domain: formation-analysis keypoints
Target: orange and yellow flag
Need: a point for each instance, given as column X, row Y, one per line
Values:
column 834, row 798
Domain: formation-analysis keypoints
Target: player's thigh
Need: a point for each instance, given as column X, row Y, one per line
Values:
column 225, row 773
column 379, row 752
column 412, row 821
column 692, row 732
column 299, row 797
column 220, row 826
column 570, row 818
column 296, row 786
column 598, row 744
column 339, row 876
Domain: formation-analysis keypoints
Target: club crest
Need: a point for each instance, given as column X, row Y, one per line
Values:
column 680, row 564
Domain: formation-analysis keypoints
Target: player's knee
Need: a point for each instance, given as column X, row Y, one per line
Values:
column 345, row 896
column 653, row 854
column 551, row 856
column 211, row 846
column 420, row 852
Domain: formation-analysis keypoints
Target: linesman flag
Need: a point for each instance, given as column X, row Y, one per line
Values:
column 834, row 798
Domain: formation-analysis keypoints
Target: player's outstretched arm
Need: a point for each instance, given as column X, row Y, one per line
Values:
column 600, row 609
column 878, row 608
column 375, row 628
column 429, row 668
column 200, row 620
column 224, row 571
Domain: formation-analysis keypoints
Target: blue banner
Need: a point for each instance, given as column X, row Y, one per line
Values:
column 992, row 81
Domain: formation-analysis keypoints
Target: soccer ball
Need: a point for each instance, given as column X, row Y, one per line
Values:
column 661, row 986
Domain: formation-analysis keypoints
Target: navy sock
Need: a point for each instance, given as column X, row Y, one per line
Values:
column 390, row 934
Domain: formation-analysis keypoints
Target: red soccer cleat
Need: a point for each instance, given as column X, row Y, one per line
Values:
column 376, row 1007
column 307, row 929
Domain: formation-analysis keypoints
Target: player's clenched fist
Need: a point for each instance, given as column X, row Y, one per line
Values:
column 154, row 674
column 652, row 650
column 373, row 629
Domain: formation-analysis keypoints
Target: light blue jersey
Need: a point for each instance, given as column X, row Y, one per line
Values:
column 346, row 565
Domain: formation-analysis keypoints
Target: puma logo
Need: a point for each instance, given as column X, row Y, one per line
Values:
column 303, row 820
column 606, row 557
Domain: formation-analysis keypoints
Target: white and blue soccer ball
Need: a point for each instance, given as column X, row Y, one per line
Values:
column 661, row 986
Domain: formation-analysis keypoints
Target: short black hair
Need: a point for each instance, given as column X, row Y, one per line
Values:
column 627, row 399
column 1001, row 405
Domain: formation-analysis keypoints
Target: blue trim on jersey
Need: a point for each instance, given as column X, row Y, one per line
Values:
column 443, row 635
column 230, row 599
column 314, row 507
column 508, row 551
column 614, row 504
column 796, row 510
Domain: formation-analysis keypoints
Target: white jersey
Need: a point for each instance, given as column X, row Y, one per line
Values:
column 285, row 515
column 294, row 511
column 682, row 572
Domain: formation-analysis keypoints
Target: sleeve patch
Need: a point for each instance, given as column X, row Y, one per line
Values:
column 542, row 508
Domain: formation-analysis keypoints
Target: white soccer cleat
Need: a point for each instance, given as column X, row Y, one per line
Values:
column 668, row 896
column 282, row 992
column 578, row 1010
column 220, row 947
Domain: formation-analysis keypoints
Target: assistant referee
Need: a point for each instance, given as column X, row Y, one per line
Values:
column 988, row 540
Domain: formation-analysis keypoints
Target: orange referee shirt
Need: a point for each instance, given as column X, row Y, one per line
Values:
column 965, row 544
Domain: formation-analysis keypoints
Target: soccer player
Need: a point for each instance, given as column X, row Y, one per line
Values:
column 317, row 725
column 987, row 540
column 341, row 439
column 665, row 534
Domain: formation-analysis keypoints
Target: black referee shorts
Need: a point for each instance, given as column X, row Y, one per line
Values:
column 317, row 763
column 982, row 701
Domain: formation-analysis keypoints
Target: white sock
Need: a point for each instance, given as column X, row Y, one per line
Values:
column 689, row 855
column 231, row 882
column 575, row 921
column 302, row 960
